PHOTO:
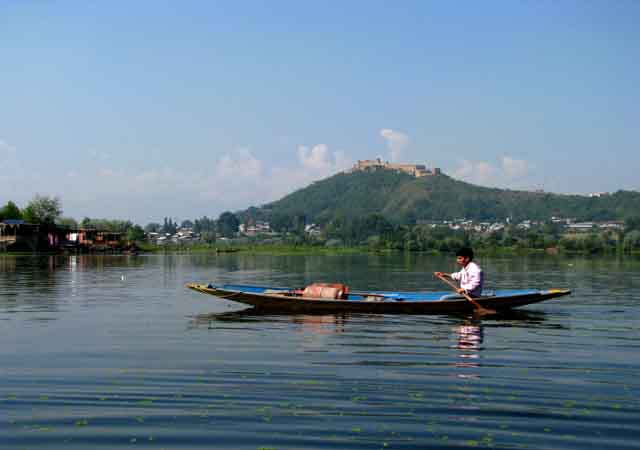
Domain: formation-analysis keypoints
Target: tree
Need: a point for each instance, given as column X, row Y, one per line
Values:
column 204, row 225
column 152, row 227
column 68, row 222
column 119, row 226
column 169, row 226
column 228, row 224
column 135, row 233
column 186, row 224
column 280, row 222
column 632, row 223
column 632, row 240
column 43, row 210
column 299, row 222
column 10, row 211
column 85, row 223
column 209, row 237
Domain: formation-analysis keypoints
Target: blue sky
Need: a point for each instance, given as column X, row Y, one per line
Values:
column 141, row 110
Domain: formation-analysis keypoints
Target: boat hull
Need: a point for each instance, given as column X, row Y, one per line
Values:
column 281, row 300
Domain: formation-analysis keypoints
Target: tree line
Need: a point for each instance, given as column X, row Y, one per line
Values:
column 375, row 232
column 372, row 231
column 47, row 211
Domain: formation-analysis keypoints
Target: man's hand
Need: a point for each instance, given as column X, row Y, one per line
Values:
column 440, row 274
column 461, row 291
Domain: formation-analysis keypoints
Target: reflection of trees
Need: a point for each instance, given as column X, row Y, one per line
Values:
column 7, row 263
column 40, row 282
column 100, row 262
column 28, row 282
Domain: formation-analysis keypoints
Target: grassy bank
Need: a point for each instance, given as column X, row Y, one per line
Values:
column 308, row 249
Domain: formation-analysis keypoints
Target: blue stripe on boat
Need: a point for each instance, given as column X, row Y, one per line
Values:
column 392, row 296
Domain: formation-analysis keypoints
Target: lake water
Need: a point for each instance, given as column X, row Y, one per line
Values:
column 114, row 352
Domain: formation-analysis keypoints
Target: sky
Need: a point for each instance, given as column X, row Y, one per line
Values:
column 151, row 109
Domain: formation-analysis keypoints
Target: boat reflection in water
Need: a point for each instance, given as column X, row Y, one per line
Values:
column 320, row 324
column 323, row 324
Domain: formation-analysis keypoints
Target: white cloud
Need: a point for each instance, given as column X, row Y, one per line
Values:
column 8, row 156
column 99, row 155
column 240, row 162
column 319, row 159
column 515, row 168
column 6, row 147
column 509, row 172
column 396, row 142
column 342, row 161
column 19, row 179
column 315, row 158
column 478, row 172
column 233, row 181
column 241, row 180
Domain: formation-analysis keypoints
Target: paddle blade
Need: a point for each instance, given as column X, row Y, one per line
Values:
column 484, row 311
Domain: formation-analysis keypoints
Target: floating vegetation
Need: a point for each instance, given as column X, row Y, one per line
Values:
column 431, row 427
column 307, row 382
column 487, row 440
column 82, row 423
column 145, row 402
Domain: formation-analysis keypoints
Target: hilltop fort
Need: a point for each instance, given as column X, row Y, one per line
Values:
column 417, row 170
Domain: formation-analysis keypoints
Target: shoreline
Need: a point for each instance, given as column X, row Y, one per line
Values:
column 318, row 250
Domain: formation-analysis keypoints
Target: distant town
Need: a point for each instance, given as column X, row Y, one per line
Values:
column 186, row 235
column 31, row 236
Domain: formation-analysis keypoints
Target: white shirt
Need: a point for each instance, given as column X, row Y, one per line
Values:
column 470, row 278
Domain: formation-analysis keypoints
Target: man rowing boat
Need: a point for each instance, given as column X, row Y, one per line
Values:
column 470, row 275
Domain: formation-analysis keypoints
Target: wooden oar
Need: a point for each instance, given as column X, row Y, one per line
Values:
column 479, row 308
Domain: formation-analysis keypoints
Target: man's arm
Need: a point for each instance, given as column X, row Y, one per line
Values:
column 442, row 274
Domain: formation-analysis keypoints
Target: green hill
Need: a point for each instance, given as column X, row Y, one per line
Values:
column 402, row 199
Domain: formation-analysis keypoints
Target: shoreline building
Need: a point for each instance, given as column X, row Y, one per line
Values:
column 416, row 170
column 17, row 235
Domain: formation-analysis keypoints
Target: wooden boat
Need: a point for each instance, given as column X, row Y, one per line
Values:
column 280, row 299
